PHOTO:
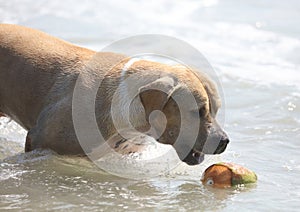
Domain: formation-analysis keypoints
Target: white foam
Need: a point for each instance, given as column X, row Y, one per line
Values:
column 244, row 50
column 10, row 130
column 155, row 160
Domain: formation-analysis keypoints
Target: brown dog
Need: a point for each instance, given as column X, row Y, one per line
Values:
column 37, row 78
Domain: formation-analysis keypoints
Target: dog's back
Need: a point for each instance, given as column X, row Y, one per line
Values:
column 30, row 64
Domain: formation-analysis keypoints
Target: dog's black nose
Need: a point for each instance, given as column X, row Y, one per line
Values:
column 224, row 140
column 222, row 144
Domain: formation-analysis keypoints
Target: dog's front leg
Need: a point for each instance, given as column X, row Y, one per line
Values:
column 54, row 130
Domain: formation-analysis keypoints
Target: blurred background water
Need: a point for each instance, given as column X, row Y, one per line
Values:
column 254, row 48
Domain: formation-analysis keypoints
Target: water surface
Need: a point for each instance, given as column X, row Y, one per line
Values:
column 254, row 47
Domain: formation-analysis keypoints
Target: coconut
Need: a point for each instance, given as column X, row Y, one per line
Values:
column 224, row 175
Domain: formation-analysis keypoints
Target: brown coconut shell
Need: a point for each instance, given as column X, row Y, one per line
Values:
column 224, row 175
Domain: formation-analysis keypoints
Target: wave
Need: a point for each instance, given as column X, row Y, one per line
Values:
column 241, row 50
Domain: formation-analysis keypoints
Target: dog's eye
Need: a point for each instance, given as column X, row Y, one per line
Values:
column 202, row 111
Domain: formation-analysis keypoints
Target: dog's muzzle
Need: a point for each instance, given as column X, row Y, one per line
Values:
column 222, row 144
column 214, row 145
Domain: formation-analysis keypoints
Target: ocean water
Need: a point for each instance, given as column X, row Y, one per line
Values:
column 254, row 48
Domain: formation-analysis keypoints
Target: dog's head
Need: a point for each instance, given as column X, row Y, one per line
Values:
column 165, row 93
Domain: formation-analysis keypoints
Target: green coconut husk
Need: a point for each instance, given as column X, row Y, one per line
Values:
column 240, row 174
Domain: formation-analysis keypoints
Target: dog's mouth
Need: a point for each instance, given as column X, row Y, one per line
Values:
column 194, row 157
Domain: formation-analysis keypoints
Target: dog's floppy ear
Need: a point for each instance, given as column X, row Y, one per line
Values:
column 212, row 92
column 155, row 95
column 213, row 95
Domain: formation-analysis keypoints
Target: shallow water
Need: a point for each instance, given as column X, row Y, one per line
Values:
column 254, row 48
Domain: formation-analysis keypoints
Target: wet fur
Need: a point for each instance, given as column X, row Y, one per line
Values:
column 37, row 77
